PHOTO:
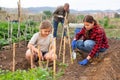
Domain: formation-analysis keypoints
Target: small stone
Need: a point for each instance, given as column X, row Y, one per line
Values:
column 106, row 59
column 0, row 66
column 83, row 78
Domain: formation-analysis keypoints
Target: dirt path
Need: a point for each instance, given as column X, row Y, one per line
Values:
column 105, row 69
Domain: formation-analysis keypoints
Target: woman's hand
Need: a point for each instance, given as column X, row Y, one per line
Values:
column 74, row 44
column 83, row 62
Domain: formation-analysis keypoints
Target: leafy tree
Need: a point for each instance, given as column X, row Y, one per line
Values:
column 48, row 13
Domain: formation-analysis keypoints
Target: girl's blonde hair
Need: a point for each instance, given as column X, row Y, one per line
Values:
column 45, row 24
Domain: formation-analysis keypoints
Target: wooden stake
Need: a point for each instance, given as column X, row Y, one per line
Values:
column 11, row 30
column 13, row 57
column 40, row 62
column 19, row 10
column 66, row 24
column 49, row 50
column 19, row 20
column 54, row 62
column 61, row 41
column 47, row 64
column 31, row 59
column 8, row 30
column 25, row 34
column 64, row 50
column 69, row 45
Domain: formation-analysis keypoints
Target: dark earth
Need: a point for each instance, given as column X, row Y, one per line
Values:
column 101, row 68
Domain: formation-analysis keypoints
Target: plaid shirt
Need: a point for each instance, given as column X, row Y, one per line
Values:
column 98, row 35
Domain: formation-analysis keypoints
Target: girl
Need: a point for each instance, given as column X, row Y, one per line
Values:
column 94, row 39
column 44, row 39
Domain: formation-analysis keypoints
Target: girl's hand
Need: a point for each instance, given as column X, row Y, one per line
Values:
column 37, row 52
column 34, row 50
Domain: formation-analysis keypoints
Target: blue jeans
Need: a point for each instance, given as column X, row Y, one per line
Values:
column 55, row 26
column 87, row 46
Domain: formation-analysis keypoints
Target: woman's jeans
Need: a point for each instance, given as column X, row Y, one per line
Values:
column 55, row 26
column 87, row 46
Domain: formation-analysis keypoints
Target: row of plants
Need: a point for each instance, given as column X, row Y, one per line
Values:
column 9, row 32
column 33, row 74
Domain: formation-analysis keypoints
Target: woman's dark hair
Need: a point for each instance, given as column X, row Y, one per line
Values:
column 89, row 19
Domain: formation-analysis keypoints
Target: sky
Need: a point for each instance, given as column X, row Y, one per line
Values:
column 74, row 4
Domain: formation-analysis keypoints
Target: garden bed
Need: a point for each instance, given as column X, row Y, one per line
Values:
column 105, row 69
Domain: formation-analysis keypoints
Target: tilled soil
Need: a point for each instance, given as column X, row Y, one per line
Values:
column 102, row 68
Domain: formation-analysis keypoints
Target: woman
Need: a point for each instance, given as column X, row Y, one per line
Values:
column 94, row 39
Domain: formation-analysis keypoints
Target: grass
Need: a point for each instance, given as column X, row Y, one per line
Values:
column 113, row 33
